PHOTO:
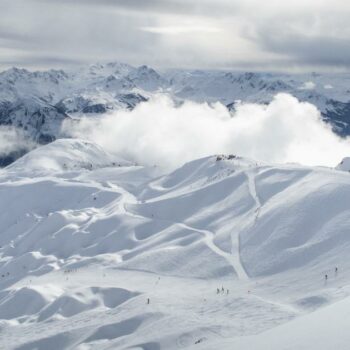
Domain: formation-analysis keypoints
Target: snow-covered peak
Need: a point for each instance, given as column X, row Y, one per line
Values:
column 65, row 155
column 199, row 173
column 344, row 165
column 147, row 78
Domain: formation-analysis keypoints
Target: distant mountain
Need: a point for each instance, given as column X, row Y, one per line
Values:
column 38, row 102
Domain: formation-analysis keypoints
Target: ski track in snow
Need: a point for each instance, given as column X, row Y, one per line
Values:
column 253, row 193
column 233, row 259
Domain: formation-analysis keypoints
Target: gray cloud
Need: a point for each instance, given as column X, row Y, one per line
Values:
column 319, row 51
column 317, row 38
column 71, row 35
column 176, row 33
column 184, row 7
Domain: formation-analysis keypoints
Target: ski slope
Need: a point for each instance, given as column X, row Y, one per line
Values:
column 224, row 252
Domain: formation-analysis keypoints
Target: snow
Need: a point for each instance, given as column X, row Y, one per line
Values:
column 63, row 155
column 344, row 164
column 87, row 239
column 323, row 329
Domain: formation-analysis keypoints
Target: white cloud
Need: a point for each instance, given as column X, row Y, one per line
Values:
column 308, row 85
column 12, row 140
column 158, row 132
column 173, row 30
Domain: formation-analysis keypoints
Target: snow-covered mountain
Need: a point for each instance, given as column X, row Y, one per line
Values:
column 224, row 252
column 97, row 252
column 39, row 102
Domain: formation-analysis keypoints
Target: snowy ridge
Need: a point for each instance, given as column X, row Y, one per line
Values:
column 65, row 155
column 212, row 255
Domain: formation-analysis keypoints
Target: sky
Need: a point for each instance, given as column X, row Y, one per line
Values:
column 308, row 35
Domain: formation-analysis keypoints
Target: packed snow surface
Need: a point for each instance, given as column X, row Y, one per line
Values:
column 222, row 253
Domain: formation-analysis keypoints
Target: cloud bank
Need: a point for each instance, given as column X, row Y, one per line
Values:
column 13, row 140
column 159, row 132
column 300, row 35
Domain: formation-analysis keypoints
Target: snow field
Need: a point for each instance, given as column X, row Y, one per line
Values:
column 84, row 248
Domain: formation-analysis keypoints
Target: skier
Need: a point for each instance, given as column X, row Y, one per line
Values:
column 326, row 277
column 222, row 289
column 227, row 291
column 336, row 271
column 217, row 290
column 148, row 301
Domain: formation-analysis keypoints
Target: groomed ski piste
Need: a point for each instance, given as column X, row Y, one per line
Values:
column 222, row 253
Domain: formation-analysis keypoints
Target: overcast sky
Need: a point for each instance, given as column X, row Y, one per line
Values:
column 232, row 34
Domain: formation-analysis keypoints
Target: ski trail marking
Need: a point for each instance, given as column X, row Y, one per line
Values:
column 232, row 258
column 253, row 193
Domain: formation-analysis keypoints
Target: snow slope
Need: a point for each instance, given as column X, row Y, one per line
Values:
column 64, row 155
column 224, row 252
column 344, row 164
column 323, row 329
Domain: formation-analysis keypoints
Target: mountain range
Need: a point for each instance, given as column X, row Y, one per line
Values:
column 38, row 102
